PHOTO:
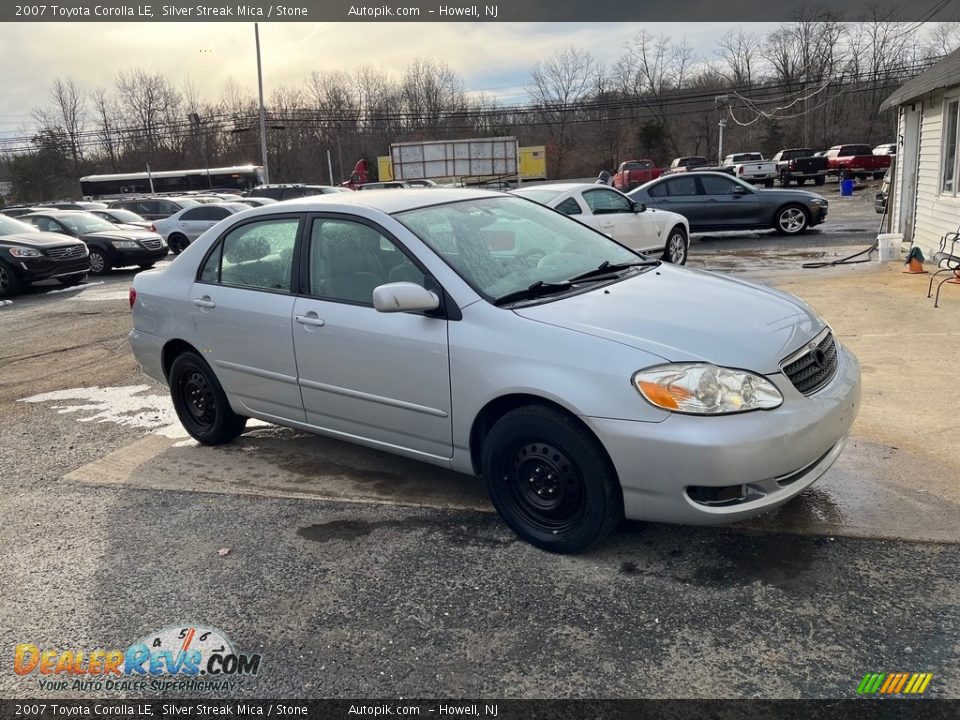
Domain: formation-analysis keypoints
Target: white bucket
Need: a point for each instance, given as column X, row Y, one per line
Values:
column 889, row 245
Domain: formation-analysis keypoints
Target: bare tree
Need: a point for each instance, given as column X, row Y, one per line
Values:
column 557, row 85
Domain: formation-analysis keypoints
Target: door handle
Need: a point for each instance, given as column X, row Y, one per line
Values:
column 310, row 319
column 205, row 302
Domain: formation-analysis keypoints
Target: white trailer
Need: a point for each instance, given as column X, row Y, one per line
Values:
column 471, row 161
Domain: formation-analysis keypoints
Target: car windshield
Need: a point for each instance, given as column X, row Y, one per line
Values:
column 126, row 216
column 502, row 246
column 9, row 226
column 82, row 223
column 541, row 196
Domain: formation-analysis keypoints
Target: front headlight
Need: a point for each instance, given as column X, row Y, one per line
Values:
column 819, row 201
column 25, row 252
column 703, row 389
column 124, row 244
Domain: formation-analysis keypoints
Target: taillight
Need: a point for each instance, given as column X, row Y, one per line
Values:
column 740, row 171
column 133, row 296
column 153, row 227
column 793, row 164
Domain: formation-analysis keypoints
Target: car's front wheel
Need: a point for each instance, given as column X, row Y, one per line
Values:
column 551, row 480
column 9, row 282
column 201, row 403
column 99, row 263
column 677, row 247
column 791, row 220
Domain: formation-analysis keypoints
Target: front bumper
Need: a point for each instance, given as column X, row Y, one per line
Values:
column 775, row 453
column 45, row 268
column 140, row 256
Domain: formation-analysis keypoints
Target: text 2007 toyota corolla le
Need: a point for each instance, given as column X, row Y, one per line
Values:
column 494, row 336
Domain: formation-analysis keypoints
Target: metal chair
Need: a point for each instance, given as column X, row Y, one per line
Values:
column 947, row 258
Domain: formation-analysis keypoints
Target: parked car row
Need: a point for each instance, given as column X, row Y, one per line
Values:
column 28, row 255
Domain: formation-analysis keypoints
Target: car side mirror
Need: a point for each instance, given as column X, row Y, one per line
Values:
column 739, row 190
column 639, row 207
column 404, row 297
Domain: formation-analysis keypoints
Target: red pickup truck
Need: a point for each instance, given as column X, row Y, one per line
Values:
column 634, row 173
column 856, row 160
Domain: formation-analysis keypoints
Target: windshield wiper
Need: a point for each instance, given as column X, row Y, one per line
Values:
column 607, row 268
column 538, row 289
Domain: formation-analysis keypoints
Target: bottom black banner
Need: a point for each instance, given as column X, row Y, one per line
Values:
column 928, row 709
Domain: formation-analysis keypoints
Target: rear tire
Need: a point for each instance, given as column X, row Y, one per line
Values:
column 677, row 247
column 201, row 403
column 178, row 243
column 819, row 180
column 801, row 181
column 9, row 282
column 878, row 176
column 550, row 480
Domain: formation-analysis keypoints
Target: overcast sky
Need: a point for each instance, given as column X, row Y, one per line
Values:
column 490, row 57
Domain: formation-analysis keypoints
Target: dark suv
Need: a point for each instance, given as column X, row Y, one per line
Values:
column 153, row 208
column 288, row 192
column 28, row 255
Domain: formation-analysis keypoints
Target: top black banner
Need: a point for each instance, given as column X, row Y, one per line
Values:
column 489, row 11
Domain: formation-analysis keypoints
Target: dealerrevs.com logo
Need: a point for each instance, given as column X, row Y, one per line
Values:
column 189, row 657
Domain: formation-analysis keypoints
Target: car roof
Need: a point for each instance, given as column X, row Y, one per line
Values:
column 561, row 187
column 386, row 201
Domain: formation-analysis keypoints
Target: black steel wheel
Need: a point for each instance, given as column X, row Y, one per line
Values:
column 551, row 480
column 178, row 243
column 201, row 403
column 677, row 247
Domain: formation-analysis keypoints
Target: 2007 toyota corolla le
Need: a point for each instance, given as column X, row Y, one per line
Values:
column 494, row 336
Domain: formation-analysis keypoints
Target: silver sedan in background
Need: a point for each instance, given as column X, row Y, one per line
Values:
column 583, row 382
column 185, row 226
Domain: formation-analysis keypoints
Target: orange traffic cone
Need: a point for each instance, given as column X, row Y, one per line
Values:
column 914, row 262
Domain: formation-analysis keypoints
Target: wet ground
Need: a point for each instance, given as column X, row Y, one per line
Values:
column 356, row 573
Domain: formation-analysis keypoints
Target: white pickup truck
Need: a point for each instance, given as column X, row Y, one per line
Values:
column 752, row 167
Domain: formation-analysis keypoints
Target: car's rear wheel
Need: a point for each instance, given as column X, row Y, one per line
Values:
column 819, row 180
column 178, row 243
column 9, row 282
column 677, row 247
column 551, row 480
column 878, row 176
column 801, row 181
column 791, row 220
column 201, row 403
column 71, row 280
column 99, row 264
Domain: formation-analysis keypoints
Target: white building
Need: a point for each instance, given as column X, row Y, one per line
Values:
column 925, row 195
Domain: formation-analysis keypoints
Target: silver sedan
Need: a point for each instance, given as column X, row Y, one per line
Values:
column 585, row 383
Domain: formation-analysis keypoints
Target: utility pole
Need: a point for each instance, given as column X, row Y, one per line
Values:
column 722, row 125
column 263, row 115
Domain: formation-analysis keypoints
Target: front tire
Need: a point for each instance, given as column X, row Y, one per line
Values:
column 551, row 480
column 677, row 247
column 9, row 282
column 201, row 403
column 791, row 220
column 99, row 262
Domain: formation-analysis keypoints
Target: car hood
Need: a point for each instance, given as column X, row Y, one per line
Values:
column 797, row 195
column 38, row 239
column 689, row 315
column 121, row 234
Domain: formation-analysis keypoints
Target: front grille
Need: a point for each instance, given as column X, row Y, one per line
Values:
column 65, row 253
column 154, row 244
column 812, row 367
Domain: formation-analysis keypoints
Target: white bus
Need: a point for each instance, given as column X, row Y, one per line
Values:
column 239, row 178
